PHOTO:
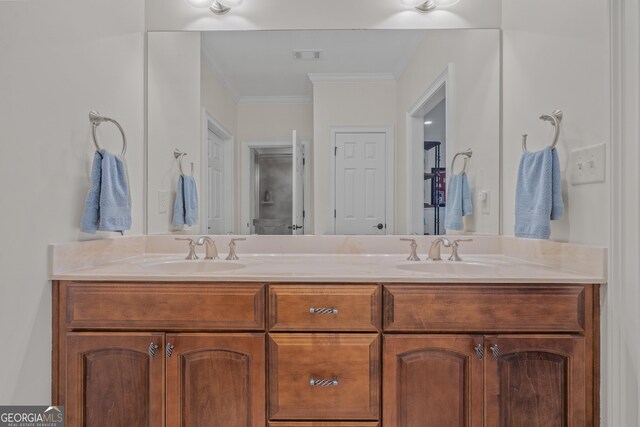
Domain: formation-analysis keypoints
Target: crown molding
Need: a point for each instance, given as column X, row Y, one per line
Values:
column 277, row 100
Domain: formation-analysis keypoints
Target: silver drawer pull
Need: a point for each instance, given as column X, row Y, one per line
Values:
column 315, row 310
column 323, row 383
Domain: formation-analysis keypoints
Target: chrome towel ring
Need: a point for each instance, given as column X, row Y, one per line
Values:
column 555, row 118
column 96, row 119
column 467, row 155
column 179, row 155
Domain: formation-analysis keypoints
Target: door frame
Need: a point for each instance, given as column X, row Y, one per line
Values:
column 389, row 166
column 211, row 123
column 415, row 151
column 245, row 180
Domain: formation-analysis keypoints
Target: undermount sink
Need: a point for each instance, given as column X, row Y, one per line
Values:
column 192, row 266
column 448, row 267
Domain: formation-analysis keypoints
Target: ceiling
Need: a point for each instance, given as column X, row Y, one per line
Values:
column 262, row 64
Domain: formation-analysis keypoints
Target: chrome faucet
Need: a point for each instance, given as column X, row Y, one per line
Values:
column 232, row 249
column 434, row 250
column 454, row 249
column 210, row 247
column 192, row 247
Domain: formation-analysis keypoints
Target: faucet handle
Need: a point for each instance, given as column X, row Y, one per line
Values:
column 454, row 249
column 413, row 256
column 192, row 247
column 232, row 249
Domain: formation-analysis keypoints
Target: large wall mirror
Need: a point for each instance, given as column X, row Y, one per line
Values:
column 324, row 132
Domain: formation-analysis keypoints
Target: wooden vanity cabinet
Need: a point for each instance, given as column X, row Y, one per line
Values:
column 250, row 354
column 526, row 356
column 142, row 363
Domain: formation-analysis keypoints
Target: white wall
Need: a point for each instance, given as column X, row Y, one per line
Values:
column 556, row 55
column 621, row 361
column 475, row 122
column 343, row 104
column 59, row 61
column 166, row 15
column 174, row 119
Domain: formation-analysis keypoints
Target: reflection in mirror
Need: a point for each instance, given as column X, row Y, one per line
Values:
column 325, row 132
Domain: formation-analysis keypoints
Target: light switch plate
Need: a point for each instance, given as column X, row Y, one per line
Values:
column 588, row 164
column 163, row 201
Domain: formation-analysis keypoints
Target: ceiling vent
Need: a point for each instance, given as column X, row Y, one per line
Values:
column 307, row 55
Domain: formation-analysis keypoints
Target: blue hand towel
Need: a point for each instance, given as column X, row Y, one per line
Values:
column 458, row 202
column 107, row 206
column 185, row 209
column 538, row 194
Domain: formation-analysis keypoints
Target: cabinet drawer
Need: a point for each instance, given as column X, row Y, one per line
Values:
column 165, row 306
column 324, row 307
column 324, row 424
column 486, row 308
column 324, row 376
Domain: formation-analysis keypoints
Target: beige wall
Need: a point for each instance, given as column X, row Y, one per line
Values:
column 274, row 122
column 217, row 98
column 174, row 119
column 475, row 57
column 59, row 61
column 343, row 104
column 557, row 60
column 166, row 15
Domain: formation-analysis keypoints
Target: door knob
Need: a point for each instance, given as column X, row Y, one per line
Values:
column 379, row 226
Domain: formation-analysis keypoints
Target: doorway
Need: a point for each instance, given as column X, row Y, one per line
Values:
column 429, row 134
column 272, row 190
column 275, row 187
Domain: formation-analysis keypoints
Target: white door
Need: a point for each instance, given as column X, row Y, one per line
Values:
column 297, row 216
column 360, row 183
column 216, row 208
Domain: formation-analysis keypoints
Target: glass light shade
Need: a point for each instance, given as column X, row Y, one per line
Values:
column 412, row 3
column 202, row 4
column 230, row 3
column 445, row 3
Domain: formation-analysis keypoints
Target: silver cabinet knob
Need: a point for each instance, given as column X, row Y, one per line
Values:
column 495, row 350
column 152, row 349
column 479, row 351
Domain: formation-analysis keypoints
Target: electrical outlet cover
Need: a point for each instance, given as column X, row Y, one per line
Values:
column 588, row 165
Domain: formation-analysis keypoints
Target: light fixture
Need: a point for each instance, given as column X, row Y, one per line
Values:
column 219, row 7
column 428, row 5
column 428, row 122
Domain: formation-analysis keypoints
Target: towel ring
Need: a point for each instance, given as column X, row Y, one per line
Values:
column 467, row 155
column 96, row 119
column 555, row 118
column 179, row 155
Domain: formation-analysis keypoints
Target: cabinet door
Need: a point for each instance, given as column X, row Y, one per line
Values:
column 114, row 380
column 432, row 381
column 215, row 380
column 536, row 381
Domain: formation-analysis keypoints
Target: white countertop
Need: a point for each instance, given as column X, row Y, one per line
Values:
column 475, row 268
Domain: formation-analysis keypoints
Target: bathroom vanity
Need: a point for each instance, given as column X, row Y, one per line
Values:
column 133, row 347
